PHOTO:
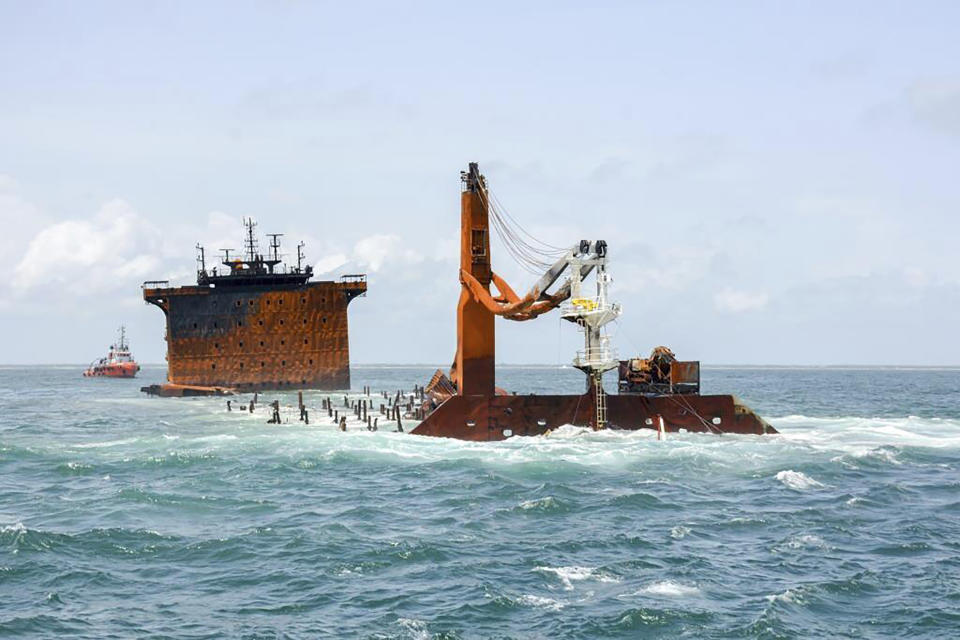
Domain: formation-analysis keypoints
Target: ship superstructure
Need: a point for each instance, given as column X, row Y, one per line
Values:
column 254, row 322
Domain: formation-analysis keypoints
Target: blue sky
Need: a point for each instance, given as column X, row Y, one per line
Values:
column 777, row 181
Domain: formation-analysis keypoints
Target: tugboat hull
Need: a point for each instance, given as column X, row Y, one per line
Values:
column 122, row 370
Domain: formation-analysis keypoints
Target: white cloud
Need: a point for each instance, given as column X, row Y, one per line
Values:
column 373, row 251
column 327, row 264
column 109, row 251
column 730, row 300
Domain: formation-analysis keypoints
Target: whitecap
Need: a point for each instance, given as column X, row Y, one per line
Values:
column 108, row 443
column 569, row 575
column 416, row 629
column 679, row 532
column 806, row 540
column 16, row 527
column 797, row 480
column 669, row 588
column 540, row 602
column 790, row 596
column 543, row 504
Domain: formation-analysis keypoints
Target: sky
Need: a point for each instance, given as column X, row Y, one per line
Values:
column 777, row 182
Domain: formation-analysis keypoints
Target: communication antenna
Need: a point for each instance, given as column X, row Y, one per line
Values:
column 300, row 255
column 250, row 242
column 201, row 259
column 275, row 245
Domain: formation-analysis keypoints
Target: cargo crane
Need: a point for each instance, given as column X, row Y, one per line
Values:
column 468, row 405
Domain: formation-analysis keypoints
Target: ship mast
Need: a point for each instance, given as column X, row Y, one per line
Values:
column 274, row 249
column 251, row 240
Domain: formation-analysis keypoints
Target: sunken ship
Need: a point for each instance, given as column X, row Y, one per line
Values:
column 255, row 323
column 659, row 392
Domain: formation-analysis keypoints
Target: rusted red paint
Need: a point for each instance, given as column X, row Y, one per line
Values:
column 258, row 337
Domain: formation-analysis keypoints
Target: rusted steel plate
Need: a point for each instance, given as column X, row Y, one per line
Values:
column 498, row 417
column 251, row 338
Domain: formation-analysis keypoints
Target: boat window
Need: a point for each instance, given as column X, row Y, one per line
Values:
column 281, row 321
column 213, row 366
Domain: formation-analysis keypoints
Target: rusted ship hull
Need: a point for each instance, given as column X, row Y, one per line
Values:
column 258, row 337
column 482, row 417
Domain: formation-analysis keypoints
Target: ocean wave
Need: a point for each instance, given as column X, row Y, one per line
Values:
column 568, row 575
column 545, row 504
column 540, row 602
column 670, row 589
column 679, row 532
column 797, row 480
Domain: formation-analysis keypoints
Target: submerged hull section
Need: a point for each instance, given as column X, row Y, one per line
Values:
column 258, row 337
column 480, row 417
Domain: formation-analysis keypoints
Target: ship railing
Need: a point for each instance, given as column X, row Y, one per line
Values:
column 596, row 358
column 156, row 284
column 580, row 307
column 353, row 277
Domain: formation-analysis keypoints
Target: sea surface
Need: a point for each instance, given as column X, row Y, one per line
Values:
column 125, row 516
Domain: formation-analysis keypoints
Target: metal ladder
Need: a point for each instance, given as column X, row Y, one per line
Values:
column 601, row 402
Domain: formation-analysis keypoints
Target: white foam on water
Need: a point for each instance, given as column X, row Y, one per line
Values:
column 790, row 596
column 106, row 444
column 548, row 502
column 805, row 541
column 415, row 629
column 541, row 602
column 569, row 575
column 669, row 589
column 859, row 435
column 679, row 532
column 797, row 480
column 217, row 437
column 17, row 527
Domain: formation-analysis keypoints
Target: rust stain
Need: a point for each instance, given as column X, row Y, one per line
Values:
column 252, row 338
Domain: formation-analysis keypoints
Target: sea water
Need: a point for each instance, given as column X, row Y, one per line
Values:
column 123, row 515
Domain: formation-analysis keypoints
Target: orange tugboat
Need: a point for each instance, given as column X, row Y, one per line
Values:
column 118, row 363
